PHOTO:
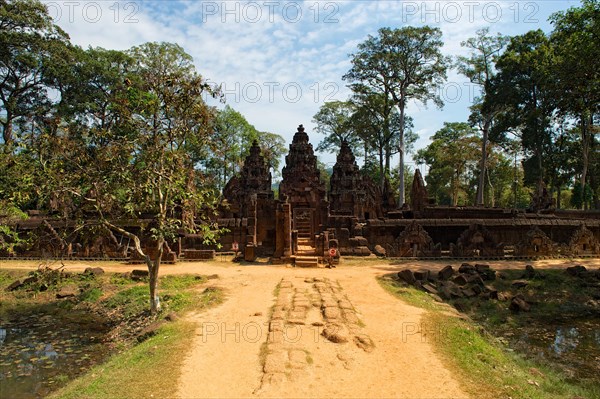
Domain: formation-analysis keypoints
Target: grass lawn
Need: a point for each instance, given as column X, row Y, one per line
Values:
column 484, row 365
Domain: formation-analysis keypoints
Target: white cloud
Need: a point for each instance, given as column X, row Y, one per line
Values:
column 245, row 47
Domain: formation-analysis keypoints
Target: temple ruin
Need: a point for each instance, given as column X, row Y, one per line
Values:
column 309, row 223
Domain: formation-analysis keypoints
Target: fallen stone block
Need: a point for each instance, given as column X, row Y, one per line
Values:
column 475, row 279
column 492, row 292
column 518, row 304
column 481, row 268
column 430, row 289
column 407, row 276
column 446, row 273
column 362, row 241
column 576, row 271
column 379, row 251
column 138, row 274
column 467, row 268
column 485, row 272
column 444, row 292
column 67, row 292
column 362, row 251
column 461, row 280
column 421, row 275
column 150, row 330
column 520, row 283
column 93, row 271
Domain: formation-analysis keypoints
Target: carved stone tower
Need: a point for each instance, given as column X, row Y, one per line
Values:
column 254, row 180
column 302, row 186
column 352, row 194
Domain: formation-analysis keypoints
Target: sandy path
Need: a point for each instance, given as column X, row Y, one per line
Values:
column 232, row 343
column 225, row 360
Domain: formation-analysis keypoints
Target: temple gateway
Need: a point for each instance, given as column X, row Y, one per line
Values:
column 310, row 222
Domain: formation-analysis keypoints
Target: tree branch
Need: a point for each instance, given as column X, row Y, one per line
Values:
column 135, row 238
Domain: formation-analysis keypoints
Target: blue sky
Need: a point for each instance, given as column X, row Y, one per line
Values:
column 279, row 61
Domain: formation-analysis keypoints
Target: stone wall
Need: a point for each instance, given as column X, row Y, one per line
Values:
column 494, row 237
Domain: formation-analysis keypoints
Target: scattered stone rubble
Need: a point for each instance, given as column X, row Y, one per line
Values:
column 45, row 278
column 467, row 282
column 472, row 281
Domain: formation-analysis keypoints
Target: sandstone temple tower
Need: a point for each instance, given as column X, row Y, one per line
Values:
column 302, row 187
column 351, row 193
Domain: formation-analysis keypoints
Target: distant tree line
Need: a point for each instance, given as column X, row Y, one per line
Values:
column 535, row 121
column 97, row 136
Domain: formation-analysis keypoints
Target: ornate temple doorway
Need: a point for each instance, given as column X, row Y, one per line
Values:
column 303, row 222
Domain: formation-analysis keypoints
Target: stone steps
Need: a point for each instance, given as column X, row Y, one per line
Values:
column 306, row 261
column 305, row 241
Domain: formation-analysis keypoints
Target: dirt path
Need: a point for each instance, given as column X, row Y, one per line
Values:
column 242, row 350
column 266, row 339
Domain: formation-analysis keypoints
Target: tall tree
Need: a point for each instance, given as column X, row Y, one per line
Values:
column 575, row 38
column 30, row 43
column 563, row 160
column 158, row 177
column 380, row 131
column 372, row 121
column 450, row 156
column 230, row 145
column 479, row 68
column 127, row 129
column 404, row 64
column 272, row 147
column 333, row 120
column 522, row 93
column 231, row 141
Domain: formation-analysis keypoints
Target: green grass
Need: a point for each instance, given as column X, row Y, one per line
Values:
column 91, row 295
column 132, row 301
column 180, row 282
column 483, row 365
column 150, row 368
column 7, row 276
column 117, row 279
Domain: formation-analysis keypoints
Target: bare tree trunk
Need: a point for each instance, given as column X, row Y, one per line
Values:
column 153, row 267
column 481, row 186
column 381, row 170
column 585, row 149
column 388, row 156
column 492, row 195
column 7, row 131
column 454, row 187
column 402, row 194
